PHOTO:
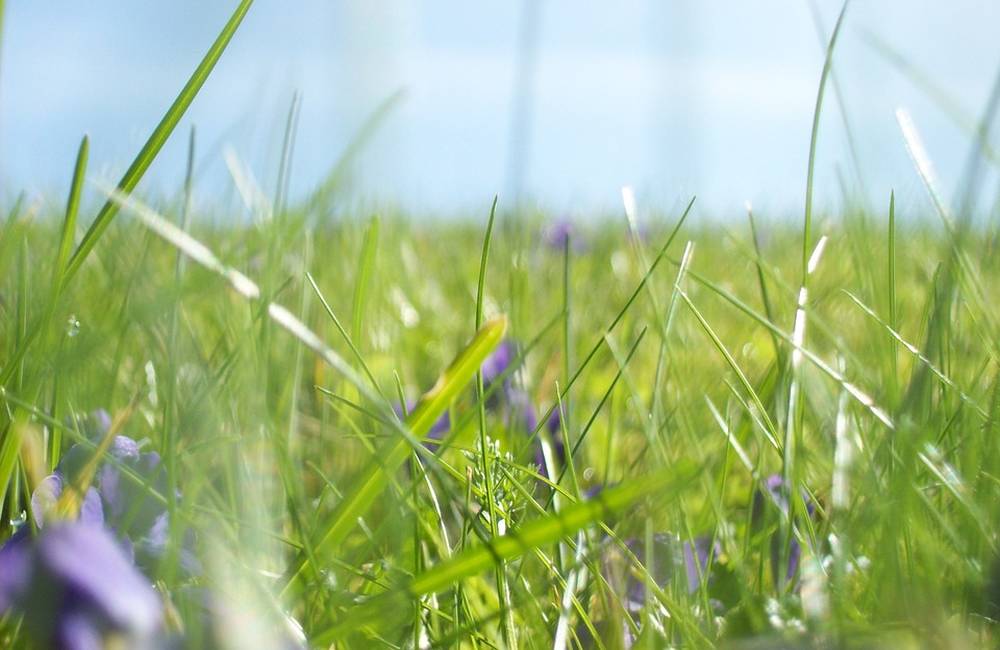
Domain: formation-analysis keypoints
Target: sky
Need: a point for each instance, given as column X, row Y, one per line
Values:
column 556, row 102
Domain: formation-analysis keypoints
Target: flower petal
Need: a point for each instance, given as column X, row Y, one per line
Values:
column 90, row 568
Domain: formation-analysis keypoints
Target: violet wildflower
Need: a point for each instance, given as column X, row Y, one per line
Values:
column 47, row 493
column 553, row 425
column 497, row 363
column 126, row 507
column 77, row 589
column 521, row 411
column 438, row 430
column 777, row 497
column 697, row 555
column 562, row 232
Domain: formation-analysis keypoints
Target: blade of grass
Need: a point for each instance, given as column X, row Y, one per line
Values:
column 361, row 285
column 72, row 209
column 920, row 356
column 770, row 429
column 855, row 392
column 615, row 321
column 287, row 152
column 814, row 138
column 485, row 452
column 157, row 139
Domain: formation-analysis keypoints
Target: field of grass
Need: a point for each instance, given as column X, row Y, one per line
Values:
column 672, row 356
column 508, row 431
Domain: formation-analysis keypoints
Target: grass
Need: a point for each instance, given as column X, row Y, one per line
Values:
column 856, row 358
column 269, row 443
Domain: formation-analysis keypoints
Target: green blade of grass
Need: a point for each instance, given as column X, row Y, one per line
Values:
column 72, row 209
column 136, row 171
column 920, row 356
column 12, row 441
column 365, row 266
column 485, row 455
column 771, row 431
column 157, row 139
column 544, row 417
column 814, row 138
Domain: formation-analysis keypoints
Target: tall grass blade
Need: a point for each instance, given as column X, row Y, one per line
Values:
column 814, row 139
column 157, row 139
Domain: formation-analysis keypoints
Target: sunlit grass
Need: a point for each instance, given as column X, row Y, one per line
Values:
column 689, row 383
column 513, row 431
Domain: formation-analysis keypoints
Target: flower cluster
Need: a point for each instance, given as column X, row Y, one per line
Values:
column 76, row 582
column 125, row 494
column 77, row 588
column 516, row 405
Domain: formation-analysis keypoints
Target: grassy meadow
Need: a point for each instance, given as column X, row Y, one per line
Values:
column 635, row 430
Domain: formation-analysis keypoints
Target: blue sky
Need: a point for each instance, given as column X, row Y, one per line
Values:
column 676, row 98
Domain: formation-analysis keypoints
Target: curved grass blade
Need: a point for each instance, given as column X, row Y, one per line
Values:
column 72, row 209
column 827, row 65
column 854, row 391
column 920, row 356
column 157, row 139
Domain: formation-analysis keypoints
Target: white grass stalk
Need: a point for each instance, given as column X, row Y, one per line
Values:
column 247, row 186
column 631, row 207
column 925, row 168
column 241, row 283
column 577, row 577
column 798, row 343
column 843, row 455
column 731, row 439
column 915, row 351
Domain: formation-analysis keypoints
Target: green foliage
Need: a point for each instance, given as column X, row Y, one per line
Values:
column 313, row 489
column 306, row 460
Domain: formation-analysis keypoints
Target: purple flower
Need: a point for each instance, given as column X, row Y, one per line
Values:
column 558, row 451
column 554, row 423
column 76, row 588
column 777, row 498
column 130, row 508
column 521, row 411
column 697, row 555
column 47, row 493
column 666, row 559
column 558, row 233
column 497, row 363
column 118, row 501
column 554, row 427
column 438, row 430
